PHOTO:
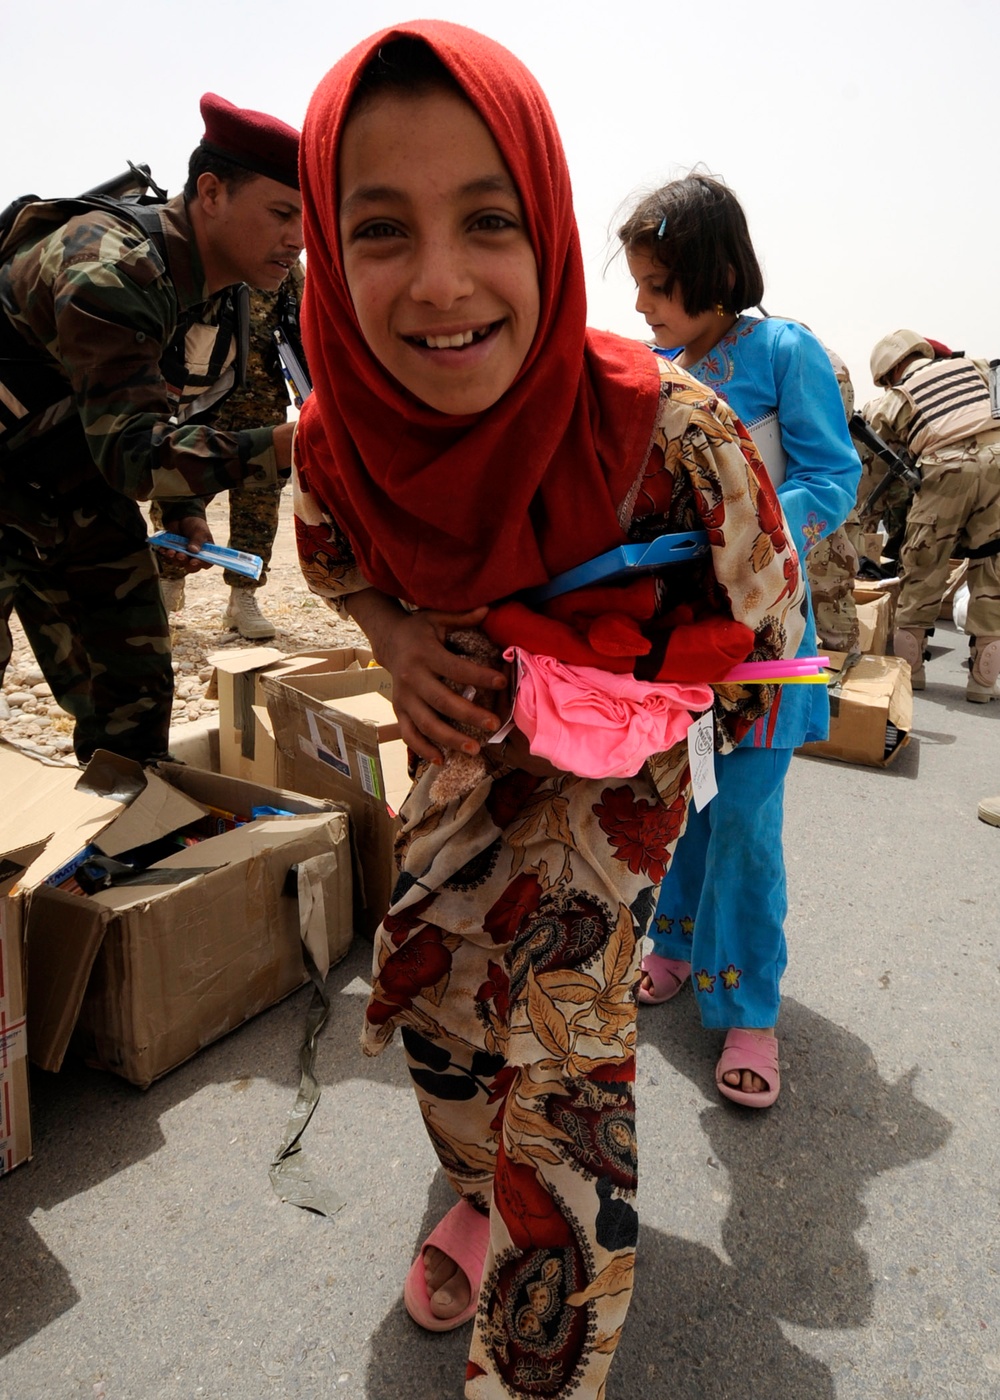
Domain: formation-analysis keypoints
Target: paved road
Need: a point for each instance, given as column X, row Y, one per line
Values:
column 845, row 1244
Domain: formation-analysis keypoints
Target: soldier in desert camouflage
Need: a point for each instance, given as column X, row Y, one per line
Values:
column 890, row 509
column 941, row 410
column 892, row 506
column 119, row 333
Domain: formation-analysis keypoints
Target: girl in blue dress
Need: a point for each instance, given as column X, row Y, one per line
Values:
column 721, row 911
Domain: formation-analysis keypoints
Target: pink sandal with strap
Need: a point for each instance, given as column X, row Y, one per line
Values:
column 670, row 974
column 464, row 1235
column 756, row 1051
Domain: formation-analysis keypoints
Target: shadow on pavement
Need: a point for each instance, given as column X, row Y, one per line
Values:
column 700, row 1328
column 905, row 764
column 952, row 698
column 88, row 1125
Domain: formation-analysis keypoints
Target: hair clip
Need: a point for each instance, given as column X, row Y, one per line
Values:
column 663, row 227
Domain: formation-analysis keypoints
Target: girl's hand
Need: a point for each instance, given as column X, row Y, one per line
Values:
column 412, row 648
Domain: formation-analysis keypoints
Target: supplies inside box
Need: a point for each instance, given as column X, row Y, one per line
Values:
column 190, row 917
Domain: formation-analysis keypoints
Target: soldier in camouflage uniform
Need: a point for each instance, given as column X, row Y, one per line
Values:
column 126, row 327
column 832, row 563
column 940, row 410
column 892, row 507
column 253, row 514
column 890, row 510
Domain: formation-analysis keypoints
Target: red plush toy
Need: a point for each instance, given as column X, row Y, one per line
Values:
column 616, row 628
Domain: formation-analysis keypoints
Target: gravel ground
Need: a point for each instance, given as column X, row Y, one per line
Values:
column 31, row 719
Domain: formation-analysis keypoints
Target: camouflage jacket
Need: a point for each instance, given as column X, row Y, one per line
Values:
column 892, row 416
column 103, row 303
column 264, row 399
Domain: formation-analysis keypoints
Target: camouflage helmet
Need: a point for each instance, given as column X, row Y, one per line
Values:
column 893, row 348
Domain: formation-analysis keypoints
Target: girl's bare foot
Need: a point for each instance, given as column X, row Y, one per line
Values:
column 662, row 978
column 447, row 1286
column 745, row 1079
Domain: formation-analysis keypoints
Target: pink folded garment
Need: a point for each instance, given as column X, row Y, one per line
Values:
column 597, row 724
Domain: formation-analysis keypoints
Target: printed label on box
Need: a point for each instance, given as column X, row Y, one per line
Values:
column 13, row 1041
column 369, row 774
column 328, row 739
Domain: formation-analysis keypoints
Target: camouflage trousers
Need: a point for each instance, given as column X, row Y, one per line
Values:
column 831, row 567
column 889, row 510
column 92, row 613
column 958, row 505
column 253, row 524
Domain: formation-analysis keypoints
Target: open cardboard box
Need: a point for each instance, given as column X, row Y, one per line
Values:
column 871, row 711
column 146, row 972
column 346, row 748
column 15, row 1119
column 246, row 739
column 876, row 610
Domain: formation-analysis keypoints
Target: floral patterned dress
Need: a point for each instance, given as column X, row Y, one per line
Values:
column 509, row 957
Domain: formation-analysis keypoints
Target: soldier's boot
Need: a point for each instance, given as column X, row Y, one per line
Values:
column 172, row 593
column 984, row 669
column 245, row 617
column 989, row 811
column 908, row 642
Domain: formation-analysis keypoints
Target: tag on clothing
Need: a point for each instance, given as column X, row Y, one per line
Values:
column 503, row 732
column 701, row 756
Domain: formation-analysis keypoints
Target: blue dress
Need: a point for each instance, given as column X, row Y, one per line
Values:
column 723, row 901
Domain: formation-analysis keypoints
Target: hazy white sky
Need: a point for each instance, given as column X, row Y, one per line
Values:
column 860, row 137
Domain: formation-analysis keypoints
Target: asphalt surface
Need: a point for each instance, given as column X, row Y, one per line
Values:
column 843, row 1244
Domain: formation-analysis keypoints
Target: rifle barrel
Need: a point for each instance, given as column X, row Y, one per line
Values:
column 899, row 467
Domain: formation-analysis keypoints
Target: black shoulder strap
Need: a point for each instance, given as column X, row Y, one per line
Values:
column 288, row 318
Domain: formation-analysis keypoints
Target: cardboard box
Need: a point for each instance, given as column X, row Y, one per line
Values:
column 15, row 1117
column 246, row 741
column 349, row 750
column 871, row 711
column 145, row 973
column 374, row 708
column 876, row 609
column 246, row 749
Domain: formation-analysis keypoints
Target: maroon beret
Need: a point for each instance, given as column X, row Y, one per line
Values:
column 254, row 140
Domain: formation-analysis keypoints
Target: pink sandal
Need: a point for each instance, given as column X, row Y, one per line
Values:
column 669, row 973
column 464, row 1235
column 753, row 1050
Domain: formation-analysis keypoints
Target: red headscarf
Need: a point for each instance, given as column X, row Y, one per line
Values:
column 453, row 512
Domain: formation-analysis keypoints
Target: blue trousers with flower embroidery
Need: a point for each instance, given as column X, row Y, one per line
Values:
column 723, row 902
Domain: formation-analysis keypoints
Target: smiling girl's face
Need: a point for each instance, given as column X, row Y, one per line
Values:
column 438, row 262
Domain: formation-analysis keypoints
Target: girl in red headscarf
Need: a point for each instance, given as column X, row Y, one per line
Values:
column 467, row 439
